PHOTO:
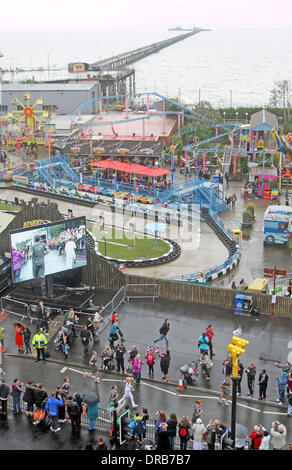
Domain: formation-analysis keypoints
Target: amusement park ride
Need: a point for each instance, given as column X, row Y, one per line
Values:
column 28, row 120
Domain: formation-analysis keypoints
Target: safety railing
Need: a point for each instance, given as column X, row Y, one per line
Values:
column 54, row 312
column 142, row 291
column 20, row 309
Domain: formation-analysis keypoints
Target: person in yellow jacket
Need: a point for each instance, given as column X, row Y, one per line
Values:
column 39, row 342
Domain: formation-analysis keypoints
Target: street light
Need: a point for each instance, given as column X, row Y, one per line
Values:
column 236, row 114
column 235, row 348
column 224, row 114
column 246, row 118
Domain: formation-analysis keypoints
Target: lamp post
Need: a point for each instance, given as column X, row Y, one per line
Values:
column 236, row 348
column 246, row 118
column 236, row 114
column 224, row 114
column 172, row 149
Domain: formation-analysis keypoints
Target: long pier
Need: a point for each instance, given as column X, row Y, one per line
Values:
column 126, row 58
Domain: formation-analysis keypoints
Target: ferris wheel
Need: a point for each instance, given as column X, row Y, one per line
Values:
column 28, row 116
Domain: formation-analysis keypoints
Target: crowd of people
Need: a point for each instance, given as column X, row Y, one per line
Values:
column 50, row 409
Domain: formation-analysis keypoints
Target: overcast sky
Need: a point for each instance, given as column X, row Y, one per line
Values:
column 105, row 14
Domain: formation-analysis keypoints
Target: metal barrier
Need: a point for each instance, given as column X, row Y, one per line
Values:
column 54, row 312
column 9, row 305
column 142, row 291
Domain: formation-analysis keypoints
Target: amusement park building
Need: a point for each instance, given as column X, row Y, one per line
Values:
column 60, row 98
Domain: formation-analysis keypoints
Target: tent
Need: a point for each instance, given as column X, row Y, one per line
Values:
column 130, row 168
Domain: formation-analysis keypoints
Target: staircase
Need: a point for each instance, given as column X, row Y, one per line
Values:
column 44, row 174
column 217, row 204
column 68, row 169
column 227, row 242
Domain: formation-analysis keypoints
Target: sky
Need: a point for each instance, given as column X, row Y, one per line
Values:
column 50, row 15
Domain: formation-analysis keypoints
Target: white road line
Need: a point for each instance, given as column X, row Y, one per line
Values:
column 274, row 413
column 249, row 407
column 63, row 370
column 158, row 388
column 196, row 396
column 111, row 380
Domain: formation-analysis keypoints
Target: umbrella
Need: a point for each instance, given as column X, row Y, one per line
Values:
column 90, row 398
column 241, row 435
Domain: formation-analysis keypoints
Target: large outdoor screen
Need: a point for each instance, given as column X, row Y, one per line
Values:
column 48, row 249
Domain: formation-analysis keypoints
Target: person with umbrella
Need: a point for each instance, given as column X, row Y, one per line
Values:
column 91, row 401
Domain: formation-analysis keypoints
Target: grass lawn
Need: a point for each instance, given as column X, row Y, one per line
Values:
column 144, row 247
column 8, row 207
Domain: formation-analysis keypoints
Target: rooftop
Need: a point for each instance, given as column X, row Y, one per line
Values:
column 47, row 86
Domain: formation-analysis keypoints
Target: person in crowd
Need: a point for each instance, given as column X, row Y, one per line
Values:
column 256, row 437
column 265, row 442
column 211, row 432
column 184, row 432
column 16, row 391
column 150, row 359
column 225, row 387
column 129, row 392
column 197, row 410
column 40, row 313
column 206, row 364
column 74, row 414
column 233, row 285
column 289, row 403
column 106, row 356
column 129, row 371
column 2, row 338
column 263, row 383
column 141, row 428
column 203, row 344
column 72, row 319
column 285, row 367
column 37, row 253
column 133, row 352
column 92, row 415
column 137, row 367
column 45, row 323
column 240, row 374
column 62, row 408
column 237, row 331
column 18, row 330
column 97, row 319
column 227, row 366
column 93, row 363
column 4, row 394
column 164, row 329
column 26, row 339
column 65, row 345
column 281, row 382
column 39, row 342
column 164, row 364
column 40, row 395
column 113, row 398
column 120, row 351
column 85, row 336
column 51, row 408
column 90, row 327
column 210, row 333
column 278, row 432
column 197, row 433
column 163, row 444
column 70, row 253
column 116, row 319
column 77, row 398
column 28, row 397
column 101, row 444
column 251, row 372
column 172, row 428
column 113, row 335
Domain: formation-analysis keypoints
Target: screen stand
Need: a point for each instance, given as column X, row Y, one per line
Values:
column 49, row 286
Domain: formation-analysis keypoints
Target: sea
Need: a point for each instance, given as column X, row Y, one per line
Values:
column 225, row 66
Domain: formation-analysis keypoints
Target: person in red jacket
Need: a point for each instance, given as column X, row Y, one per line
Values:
column 256, row 437
column 150, row 356
column 210, row 333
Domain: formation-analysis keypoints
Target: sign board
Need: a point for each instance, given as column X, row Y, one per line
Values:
column 20, row 179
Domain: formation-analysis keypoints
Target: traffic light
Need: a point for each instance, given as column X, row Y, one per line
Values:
column 236, row 348
column 124, row 427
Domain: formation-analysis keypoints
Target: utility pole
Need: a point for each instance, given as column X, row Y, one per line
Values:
column 236, row 348
column 272, row 273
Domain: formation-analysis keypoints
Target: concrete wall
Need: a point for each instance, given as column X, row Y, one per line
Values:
column 66, row 100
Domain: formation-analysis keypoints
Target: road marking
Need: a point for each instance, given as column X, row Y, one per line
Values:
column 111, row 380
column 249, row 407
column 274, row 413
column 158, row 388
column 197, row 396
column 63, row 370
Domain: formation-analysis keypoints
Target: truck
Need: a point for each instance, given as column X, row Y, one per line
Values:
column 277, row 224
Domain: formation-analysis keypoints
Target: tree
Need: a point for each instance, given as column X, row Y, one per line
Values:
column 280, row 96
